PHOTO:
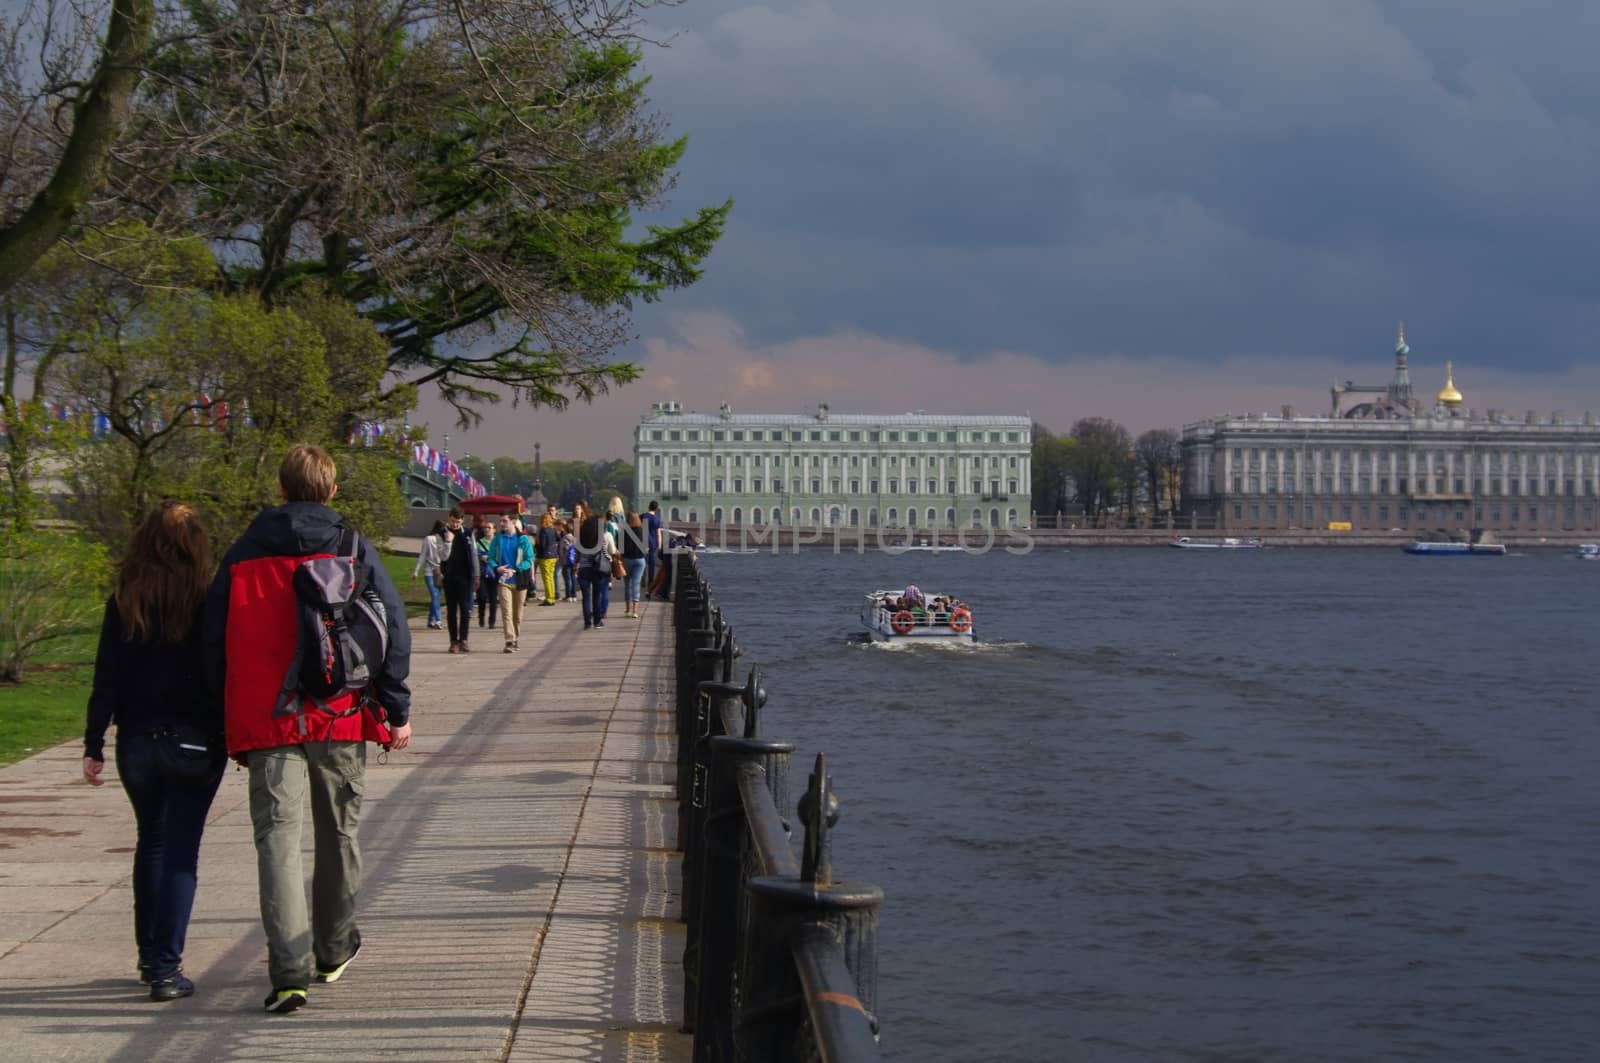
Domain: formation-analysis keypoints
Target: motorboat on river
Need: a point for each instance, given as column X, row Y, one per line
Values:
column 1589, row 551
column 1183, row 542
column 913, row 616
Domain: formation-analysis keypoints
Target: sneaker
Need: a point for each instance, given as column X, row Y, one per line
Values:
column 286, row 1000
column 333, row 974
column 587, row 625
column 599, row 623
column 172, row 987
column 516, row 644
column 508, row 647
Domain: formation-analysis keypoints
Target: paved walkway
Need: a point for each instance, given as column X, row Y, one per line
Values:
column 519, row 890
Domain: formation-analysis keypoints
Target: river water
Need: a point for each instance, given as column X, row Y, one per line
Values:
column 1259, row 805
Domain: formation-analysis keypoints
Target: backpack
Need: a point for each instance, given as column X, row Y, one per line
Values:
column 572, row 553
column 342, row 632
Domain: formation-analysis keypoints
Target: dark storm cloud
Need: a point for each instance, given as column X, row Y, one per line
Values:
column 1147, row 177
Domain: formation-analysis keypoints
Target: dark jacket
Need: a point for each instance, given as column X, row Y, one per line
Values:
column 256, row 571
column 145, row 686
column 461, row 564
column 549, row 543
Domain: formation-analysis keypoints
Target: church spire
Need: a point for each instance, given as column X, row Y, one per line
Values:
column 1400, row 388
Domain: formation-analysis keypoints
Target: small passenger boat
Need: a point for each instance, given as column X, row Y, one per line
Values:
column 1481, row 545
column 889, row 616
column 1589, row 551
column 1183, row 542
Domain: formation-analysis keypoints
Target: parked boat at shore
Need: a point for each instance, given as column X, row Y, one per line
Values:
column 895, row 616
column 1481, row 544
column 1184, row 542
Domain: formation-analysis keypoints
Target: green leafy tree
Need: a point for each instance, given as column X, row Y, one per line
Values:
column 53, row 586
column 204, row 391
column 466, row 175
column 1100, row 462
column 1052, row 471
column 1160, row 461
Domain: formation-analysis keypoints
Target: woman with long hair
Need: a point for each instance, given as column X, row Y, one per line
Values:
column 429, row 558
column 595, row 547
column 633, row 553
column 147, row 679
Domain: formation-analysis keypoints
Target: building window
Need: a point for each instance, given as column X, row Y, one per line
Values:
column 1238, row 511
column 674, row 436
column 738, row 486
column 816, row 487
column 694, row 485
column 656, row 485
column 717, row 436
column 835, row 437
column 855, row 437
column 873, row 437
column 894, row 437
column 933, row 487
column 833, row 486
column 894, row 486
column 1383, row 514
column 949, row 487
column 676, row 489
column 718, row 487
column 816, row 437
column 694, row 435
column 794, row 488
column 977, row 487
column 855, row 487
column 1011, row 487
column 872, row 487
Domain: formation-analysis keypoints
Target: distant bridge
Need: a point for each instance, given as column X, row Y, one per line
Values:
column 425, row 489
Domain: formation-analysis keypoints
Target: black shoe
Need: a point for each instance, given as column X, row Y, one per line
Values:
column 587, row 625
column 599, row 623
column 286, row 999
column 172, row 987
column 144, row 974
column 334, row 973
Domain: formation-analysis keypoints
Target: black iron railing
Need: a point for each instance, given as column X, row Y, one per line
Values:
column 780, row 961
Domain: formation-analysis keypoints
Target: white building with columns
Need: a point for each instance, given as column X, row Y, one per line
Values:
column 1396, row 462
column 911, row 470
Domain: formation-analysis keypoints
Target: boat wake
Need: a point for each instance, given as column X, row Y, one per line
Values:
column 866, row 642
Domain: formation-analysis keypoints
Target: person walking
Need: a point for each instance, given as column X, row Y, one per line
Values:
column 428, row 561
column 633, row 553
column 548, row 550
column 569, row 562
column 460, row 569
column 316, row 750
column 147, row 680
column 595, row 547
column 513, row 560
column 489, row 600
column 652, row 541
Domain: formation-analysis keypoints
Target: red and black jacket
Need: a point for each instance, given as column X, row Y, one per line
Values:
column 249, row 633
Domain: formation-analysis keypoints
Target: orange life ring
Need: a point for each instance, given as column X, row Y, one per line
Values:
column 960, row 621
column 902, row 622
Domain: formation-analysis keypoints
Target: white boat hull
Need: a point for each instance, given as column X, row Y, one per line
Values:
column 879, row 623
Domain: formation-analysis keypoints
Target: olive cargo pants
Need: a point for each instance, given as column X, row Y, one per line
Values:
column 334, row 775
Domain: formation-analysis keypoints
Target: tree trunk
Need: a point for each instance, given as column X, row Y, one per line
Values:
column 94, row 129
column 8, row 387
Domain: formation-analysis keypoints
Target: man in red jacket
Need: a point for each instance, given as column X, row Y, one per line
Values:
column 250, row 636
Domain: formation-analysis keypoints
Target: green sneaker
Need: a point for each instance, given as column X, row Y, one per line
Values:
column 286, row 1000
column 332, row 974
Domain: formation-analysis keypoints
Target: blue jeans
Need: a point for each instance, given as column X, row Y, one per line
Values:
column 171, row 816
column 595, row 583
column 434, row 616
column 649, row 565
column 635, row 567
column 569, row 580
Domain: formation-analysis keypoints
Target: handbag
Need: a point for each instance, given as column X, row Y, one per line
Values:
column 187, row 753
column 524, row 578
column 618, row 570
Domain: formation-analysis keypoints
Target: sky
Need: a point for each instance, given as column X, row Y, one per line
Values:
column 1152, row 210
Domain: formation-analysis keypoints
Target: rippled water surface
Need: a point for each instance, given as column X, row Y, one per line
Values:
column 1275, row 805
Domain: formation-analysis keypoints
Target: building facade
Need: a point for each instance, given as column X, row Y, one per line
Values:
column 914, row 470
column 1393, row 462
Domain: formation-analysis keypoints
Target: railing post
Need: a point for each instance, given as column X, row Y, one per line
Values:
column 797, row 932
column 720, row 893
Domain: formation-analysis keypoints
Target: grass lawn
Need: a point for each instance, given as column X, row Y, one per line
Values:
column 50, row 705
column 412, row 591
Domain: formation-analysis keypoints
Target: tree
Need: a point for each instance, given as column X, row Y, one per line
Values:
column 1160, row 459
column 1099, row 461
column 201, row 392
column 464, row 173
column 52, row 171
column 1053, row 460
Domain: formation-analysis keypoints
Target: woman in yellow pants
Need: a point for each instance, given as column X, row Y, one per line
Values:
column 548, row 550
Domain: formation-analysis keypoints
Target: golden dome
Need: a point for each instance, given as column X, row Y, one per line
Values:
column 1449, row 396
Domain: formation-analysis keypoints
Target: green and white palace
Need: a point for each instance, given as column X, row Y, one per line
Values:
column 1396, row 461
column 912, row 470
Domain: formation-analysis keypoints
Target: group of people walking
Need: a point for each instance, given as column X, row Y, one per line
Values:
column 196, row 668
column 501, row 566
